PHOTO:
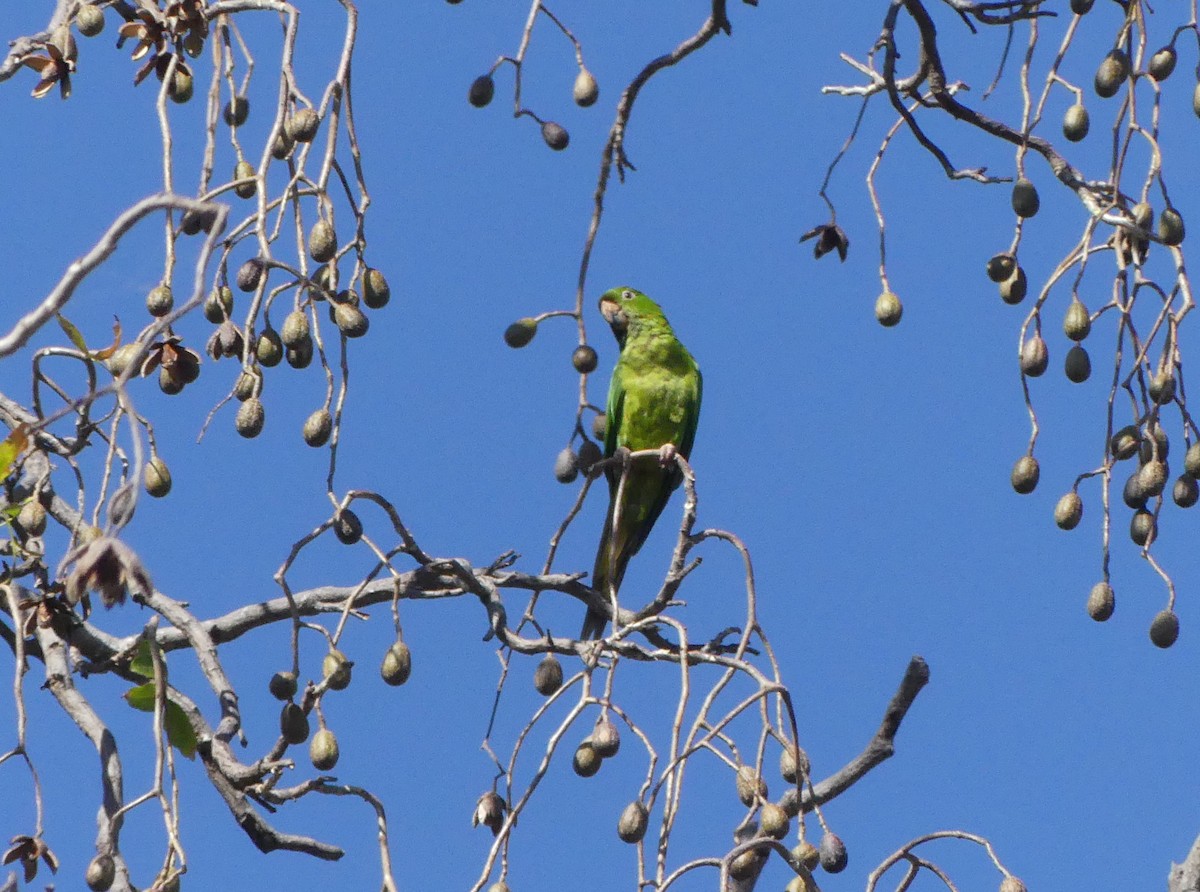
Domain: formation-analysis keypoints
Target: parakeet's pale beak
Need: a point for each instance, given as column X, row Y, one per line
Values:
column 611, row 311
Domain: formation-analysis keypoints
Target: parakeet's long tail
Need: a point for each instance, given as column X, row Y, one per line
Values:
column 603, row 577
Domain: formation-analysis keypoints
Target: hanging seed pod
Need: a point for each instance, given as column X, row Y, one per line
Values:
column 397, row 664
column 295, row 329
column 156, row 478
column 317, row 428
column 1170, row 227
column 1014, row 288
column 548, row 677
column 245, row 171
column 347, row 527
column 584, row 359
column 1078, row 366
column 350, row 320
column 1101, row 602
column 302, row 126
column 586, row 90
column 322, row 242
column 1025, row 474
column 1113, row 72
column 774, row 821
column 1164, row 630
column 282, row 685
column 1077, row 324
column 90, row 22
column 323, row 750
column 218, row 306
column 1162, row 63
column 282, row 146
column 1001, row 267
column 888, row 309
column 269, row 348
column 632, row 825
column 586, row 761
column 1034, row 356
column 555, row 136
column 250, row 418
column 832, row 853
column 750, row 787
column 1069, row 511
column 236, row 111
column 376, row 292
column 1125, row 443
column 483, row 88
column 293, row 724
column 336, row 670
column 606, row 739
column 160, row 301
column 566, row 466
column 1025, row 201
column 1076, row 123
column 520, row 332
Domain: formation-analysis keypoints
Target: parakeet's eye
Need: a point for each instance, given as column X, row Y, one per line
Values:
column 626, row 295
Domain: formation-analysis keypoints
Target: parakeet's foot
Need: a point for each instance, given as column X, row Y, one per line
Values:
column 666, row 454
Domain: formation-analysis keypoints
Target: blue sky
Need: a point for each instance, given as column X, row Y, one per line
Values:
column 867, row 469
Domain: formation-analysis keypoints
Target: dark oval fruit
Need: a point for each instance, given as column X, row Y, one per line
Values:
column 832, row 853
column 160, row 301
column 323, row 750
column 295, row 328
column 236, row 111
column 1001, row 267
column 584, row 359
column 1025, row 474
column 218, row 306
column 774, row 821
column 632, row 825
column 250, row 418
column 182, row 86
column 750, row 786
column 347, row 527
column 282, row 685
column 350, row 320
column 293, row 724
column 888, row 309
column 282, row 146
column 1076, row 123
column 1124, row 443
column 1113, row 72
column 599, row 423
column 586, row 761
column 566, row 466
column 806, row 853
column 322, row 242
column 1164, row 630
column 250, row 273
column 520, row 332
column 90, row 22
column 1034, row 356
column 1152, row 477
column 1068, row 511
column 1025, row 201
column 1013, row 289
column 555, row 135
column 244, row 170
column 548, row 676
column 1142, row 527
column 248, row 384
column 376, row 291
column 1132, row 494
column 302, row 126
column 1162, row 387
column 157, row 478
column 337, row 670
column 1078, row 366
column 1077, row 324
column 586, row 91
column 1162, row 63
column 301, row 355
column 317, row 428
column 483, row 88
column 269, row 348
column 1081, row 7
column 1170, row 227
column 397, row 664
column 168, row 383
column 1101, row 602
column 606, row 739
column 589, row 454
column 1186, row 492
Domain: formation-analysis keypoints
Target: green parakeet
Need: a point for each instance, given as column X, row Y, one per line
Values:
column 653, row 401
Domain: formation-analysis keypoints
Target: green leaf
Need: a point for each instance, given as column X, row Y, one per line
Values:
column 142, row 664
column 73, row 333
column 175, row 720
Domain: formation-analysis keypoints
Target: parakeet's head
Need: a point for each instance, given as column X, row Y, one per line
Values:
column 619, row 305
